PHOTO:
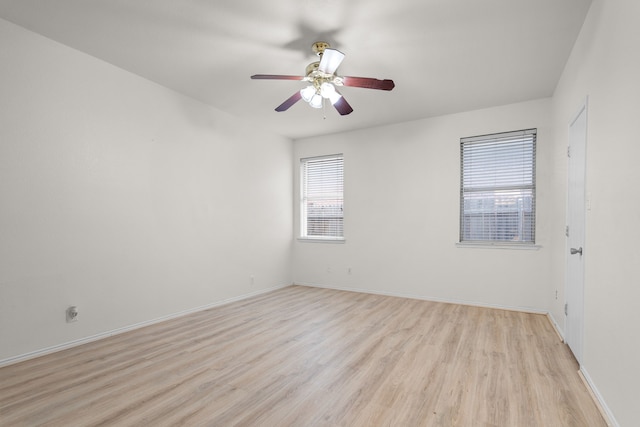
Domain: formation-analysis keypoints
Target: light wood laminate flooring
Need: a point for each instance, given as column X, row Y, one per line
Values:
column 304, row 356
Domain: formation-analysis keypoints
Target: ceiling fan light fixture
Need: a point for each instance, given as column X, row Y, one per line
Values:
column 322, row 80
column 307, row 93
column 327, row 90
column 316, row 101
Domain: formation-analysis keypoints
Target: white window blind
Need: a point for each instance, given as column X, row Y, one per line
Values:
column 497, row 190
column 322, row 187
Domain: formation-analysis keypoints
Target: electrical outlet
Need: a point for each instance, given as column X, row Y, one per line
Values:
column 72, row 314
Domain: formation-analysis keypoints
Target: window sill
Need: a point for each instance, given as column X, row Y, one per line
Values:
column 321, row 239
column 487, row 245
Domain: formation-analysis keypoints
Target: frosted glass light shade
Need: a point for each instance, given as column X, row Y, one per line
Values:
column 316, row 101
column 327, row 90
column 307, row 93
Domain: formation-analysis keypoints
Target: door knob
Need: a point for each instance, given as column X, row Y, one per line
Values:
column 576, row 251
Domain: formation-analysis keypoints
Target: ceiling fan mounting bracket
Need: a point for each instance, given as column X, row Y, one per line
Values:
column 319, row 47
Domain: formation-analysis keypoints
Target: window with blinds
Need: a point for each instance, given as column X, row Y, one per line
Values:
column 322, row 187
column 498, row 188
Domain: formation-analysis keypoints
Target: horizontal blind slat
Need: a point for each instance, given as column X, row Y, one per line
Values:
column 498, row 187
column 322, row 210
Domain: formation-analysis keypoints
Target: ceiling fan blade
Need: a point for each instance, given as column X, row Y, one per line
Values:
column 368, row 83
column 289, row 102
column 343, row 106
column 331, row 59
column 275, row 77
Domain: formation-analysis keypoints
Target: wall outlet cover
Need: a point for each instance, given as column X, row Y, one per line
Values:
column 72, row 314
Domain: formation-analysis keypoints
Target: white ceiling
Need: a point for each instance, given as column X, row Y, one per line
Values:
column 445, row 56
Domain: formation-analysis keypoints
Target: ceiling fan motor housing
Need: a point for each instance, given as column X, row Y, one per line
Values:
column 312, row 67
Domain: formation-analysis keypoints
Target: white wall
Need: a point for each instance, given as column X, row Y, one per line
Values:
column 605, row 66
column 125, row 198
column 134, row 202
column 402, row 214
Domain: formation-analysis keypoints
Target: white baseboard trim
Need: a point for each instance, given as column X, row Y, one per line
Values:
column 425, row 298
column 85, row 340
column 555, row 326
column 598, row 399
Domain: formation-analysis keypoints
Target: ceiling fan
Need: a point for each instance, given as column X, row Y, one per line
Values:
column 322, row 79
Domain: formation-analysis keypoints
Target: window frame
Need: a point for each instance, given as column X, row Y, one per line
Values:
column 338, row 195
column 527, row 138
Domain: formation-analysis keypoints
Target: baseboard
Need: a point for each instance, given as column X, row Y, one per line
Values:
column 425, row 298
column 555, row 326
column 102, row 335
column 597, row 398
column 586, row 379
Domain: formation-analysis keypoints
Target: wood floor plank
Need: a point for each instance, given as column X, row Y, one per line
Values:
column 303, row 356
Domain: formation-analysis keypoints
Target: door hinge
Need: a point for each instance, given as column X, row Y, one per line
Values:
column 566, row 309
column 568, row 151
column 566, row 231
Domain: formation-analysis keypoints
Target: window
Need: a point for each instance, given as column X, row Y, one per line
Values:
column 497, row 188
column 321, row 207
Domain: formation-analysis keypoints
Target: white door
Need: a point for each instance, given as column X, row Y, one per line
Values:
column 576, row 251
